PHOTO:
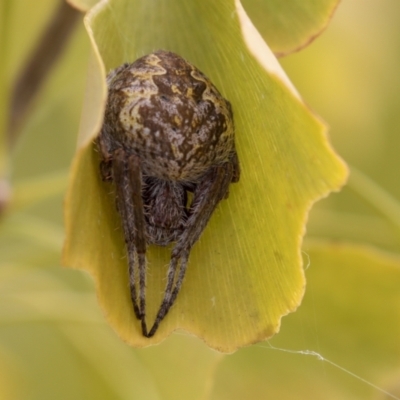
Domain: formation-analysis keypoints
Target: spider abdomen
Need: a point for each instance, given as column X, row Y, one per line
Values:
column 170, row 115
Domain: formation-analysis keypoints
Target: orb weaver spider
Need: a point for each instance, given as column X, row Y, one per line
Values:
column 167, row 132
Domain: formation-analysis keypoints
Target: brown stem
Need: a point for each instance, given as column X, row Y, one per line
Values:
column 39, row 63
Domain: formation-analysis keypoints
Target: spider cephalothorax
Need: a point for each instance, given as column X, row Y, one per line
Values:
column 167, row 131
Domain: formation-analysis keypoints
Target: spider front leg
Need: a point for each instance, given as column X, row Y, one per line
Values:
column 128, row 182
column 209, row 192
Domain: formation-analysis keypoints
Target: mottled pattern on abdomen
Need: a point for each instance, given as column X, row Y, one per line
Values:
column 170, row 115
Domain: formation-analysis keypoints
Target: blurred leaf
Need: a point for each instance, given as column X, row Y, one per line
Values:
column 29, row 192
column 356, row 62
column 32, row 297
column 246, row 271
column 376, row 196
column 289, row 26
column 117, row 366
column 351, row 227
column 382, row 229
column 4, row 11
column 83, row 5
column 35, row 356
column 51, row 366
column 25, row 239
column 158, row 371
column 171, row 364
column 349, row 315
column 38, row 230
column 9, row 371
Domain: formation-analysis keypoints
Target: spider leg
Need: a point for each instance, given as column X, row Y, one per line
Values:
column 103, row 147
column 127, row 178
column 140, row 238
column 208, row 193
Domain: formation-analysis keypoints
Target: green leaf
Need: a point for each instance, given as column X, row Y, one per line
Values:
column 349, row 317
column 289, row 26
column 246, row 271
column 32, row 191
column 9, row 384
column 83, row 5
column 86, row 345
column 365, row 211
column 172, row 360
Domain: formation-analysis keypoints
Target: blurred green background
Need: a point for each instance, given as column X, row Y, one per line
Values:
column 54, row 342
column 349, row 77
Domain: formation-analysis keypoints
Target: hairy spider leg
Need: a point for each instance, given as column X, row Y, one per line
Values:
column 209, row 192
column 139, row 232
column 126, row 173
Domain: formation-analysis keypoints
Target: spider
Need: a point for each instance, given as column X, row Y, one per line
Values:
column 167, row 131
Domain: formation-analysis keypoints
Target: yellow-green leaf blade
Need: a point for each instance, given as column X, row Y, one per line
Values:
column 289, row 26
column 246, row 270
